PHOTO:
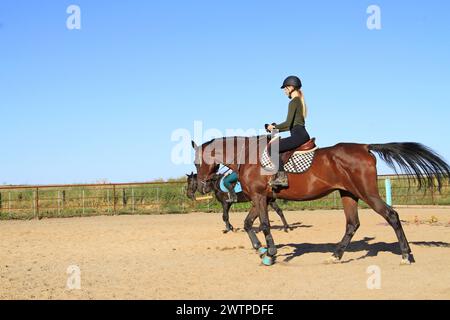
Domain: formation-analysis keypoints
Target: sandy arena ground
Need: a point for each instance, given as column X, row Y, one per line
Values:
column 188, row 257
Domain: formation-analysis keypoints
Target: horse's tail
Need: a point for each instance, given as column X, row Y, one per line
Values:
column 416, row 160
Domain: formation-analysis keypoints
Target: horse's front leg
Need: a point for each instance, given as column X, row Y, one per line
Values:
column 226, row 216
column 269, row 258
column 248, row 227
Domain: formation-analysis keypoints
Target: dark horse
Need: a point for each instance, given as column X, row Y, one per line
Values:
column 347, row 167
column 214, row 185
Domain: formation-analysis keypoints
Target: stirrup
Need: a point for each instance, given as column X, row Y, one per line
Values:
column 232, row 198
column 280, row 180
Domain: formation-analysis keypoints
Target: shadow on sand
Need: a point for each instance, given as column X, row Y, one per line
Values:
column 292, row 226
column 356, row 246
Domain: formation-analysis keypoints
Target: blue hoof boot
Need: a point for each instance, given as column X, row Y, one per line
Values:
column 267, row 261
column 262, row 251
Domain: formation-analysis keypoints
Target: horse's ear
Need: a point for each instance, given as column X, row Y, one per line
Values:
column 194, row 145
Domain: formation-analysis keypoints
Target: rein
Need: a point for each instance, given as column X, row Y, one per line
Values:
column 244, row 148
column 239, row 159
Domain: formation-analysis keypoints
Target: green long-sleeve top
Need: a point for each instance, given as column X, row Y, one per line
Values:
column 294, row 117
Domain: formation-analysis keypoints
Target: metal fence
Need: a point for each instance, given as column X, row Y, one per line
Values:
column 26, row 202
column 91, row 199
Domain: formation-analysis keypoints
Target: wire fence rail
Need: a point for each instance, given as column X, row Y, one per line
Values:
column 28, row 202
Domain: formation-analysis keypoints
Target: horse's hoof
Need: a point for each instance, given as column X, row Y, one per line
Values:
column 262, row 251
column 267, row 260
column 272, row 251
column 332, row 260
column 256, row 245
column 405, row 262
column 407, row 259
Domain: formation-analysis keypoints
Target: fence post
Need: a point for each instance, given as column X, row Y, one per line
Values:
column 114, row 198
column 388, row 187
column 33, row 202
column 124, row 198
column 58, row 201
column 9, row 204
column 37, row 203
column 82, row 200
column 132, row 200
column 157, row 199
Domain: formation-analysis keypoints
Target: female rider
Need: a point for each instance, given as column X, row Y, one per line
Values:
column 295, row 123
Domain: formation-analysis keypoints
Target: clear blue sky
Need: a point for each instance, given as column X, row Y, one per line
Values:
column 102, row 102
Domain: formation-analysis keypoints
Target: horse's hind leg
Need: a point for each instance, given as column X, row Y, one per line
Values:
column 350, row 203
column 391, row 216
column 278, row 210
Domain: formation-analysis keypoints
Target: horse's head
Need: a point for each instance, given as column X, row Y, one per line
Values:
column 206, row 169
column 192, row 185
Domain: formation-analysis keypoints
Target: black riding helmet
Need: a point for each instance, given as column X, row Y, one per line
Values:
column 292, row 81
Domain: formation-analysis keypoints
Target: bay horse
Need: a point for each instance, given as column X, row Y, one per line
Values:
column 221, row 196
column 349, row 168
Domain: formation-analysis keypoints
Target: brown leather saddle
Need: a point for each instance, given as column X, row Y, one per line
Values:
column 311, row 144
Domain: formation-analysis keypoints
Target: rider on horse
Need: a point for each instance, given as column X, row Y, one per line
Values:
column 229, row 182
column 295, row 123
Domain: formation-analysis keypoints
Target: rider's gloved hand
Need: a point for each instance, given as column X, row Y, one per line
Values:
column 270, row 127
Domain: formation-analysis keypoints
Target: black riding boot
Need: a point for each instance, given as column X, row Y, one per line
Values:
column 232, row 196
column 280, row 179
